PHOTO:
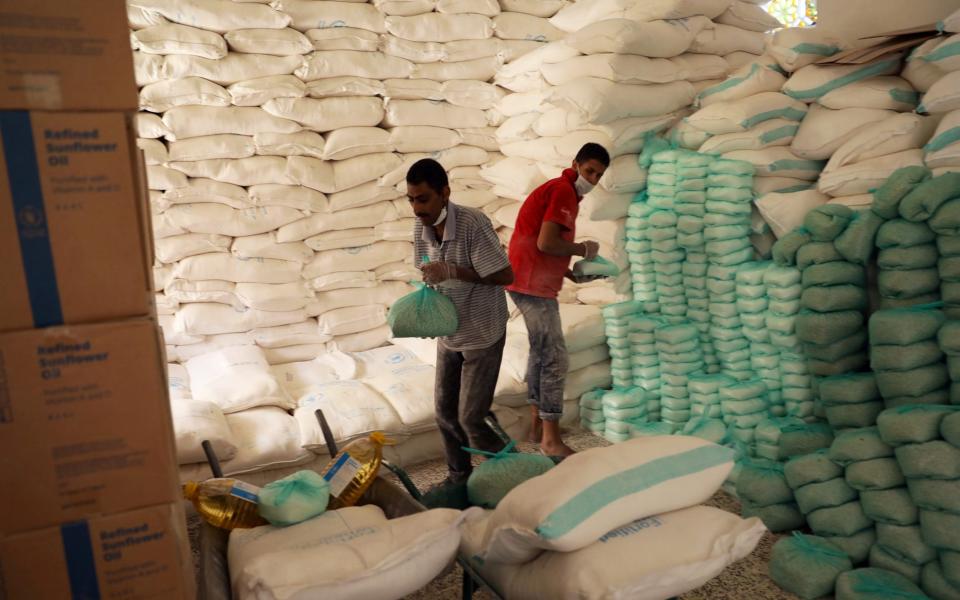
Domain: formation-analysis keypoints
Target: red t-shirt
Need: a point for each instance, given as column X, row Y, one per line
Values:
column 534, row 272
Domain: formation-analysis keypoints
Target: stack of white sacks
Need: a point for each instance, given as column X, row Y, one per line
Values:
column 276, row 139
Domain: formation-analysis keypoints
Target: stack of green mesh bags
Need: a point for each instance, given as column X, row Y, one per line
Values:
column 640, row 254
column 591, row 411
column 948, row 243
column 783, row 285
column 616, row 320
column 646, row 360
column 662, row 180
column 705, row 394
column 906, row 357
column 690, row 206
column 924, row 440
column 763, row 491
column 949, row 339
column 744, row 405
column 680, row 355
column 726, row 232
column 622, row 408
column 753, row 304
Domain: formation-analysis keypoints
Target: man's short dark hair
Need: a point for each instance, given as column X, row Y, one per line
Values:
column 429, row 171
column 595, row 152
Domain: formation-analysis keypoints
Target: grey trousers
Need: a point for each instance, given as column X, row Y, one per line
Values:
column 548, row 361
column 463, row 395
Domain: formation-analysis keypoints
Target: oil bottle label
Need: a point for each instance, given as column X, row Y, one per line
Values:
column 248, row 492
column 341, row 473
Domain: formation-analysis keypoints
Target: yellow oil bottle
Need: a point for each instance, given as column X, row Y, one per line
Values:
column 353, row 469
column 225, row 503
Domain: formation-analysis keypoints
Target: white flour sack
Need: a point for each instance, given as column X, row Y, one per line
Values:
column 274, row 296
column 362, row 341
column 215, row 15
column 266, row 246
column 777, row 132
column 208, row 217
column 518, row 26
column 815, row 81
column 693, row 545
column 943, row 150
column 235, row 379
column 210, row 147
column 537, row 8
column 327, row 114
column 364, row 216
column 230, row 268
column 267, row 437
column 213, row 319
column 346, row 554
column 354, row 141
column 344, row 38
column 749, row 16
column 601, row 101
column 352, row 319
column 174, row 248
column 161, row 178
column 724, row 40
column 577, row 16
column 796, row 47
column 785, row 211
column 823, row 130
column 744, row 114
column 890, row 93
column 195, row 421
column 179, row 39
column 624, row 175
column 409, row 390
column 255, row 92
column 751, row 79
column 629, row 68
column 279, row 42
column 890, row 136
column 435, row 114
column 480, row 69
column 290, row 196
column 194, row 121
column 164, row 95
column 337, row 176
column 436, row 27
column 307, row 15
column 362, row 258
column 779, row 161
column 656, row 39
column 242, row 171
column 352, row 409
column 944, row 95
column 232, row 68
column 868, row 175
column 304, row 143
column 578, row 501
column 348, row 63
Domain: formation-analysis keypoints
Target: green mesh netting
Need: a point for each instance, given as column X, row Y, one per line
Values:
column 887, row 198
column 876, row 584
column 875, row 474
column 424, row 312
column 846, row 519
column 857, row 445
column 293, row 499
column 824, row 494
column 828, row 221
column 807, row 566
column 501, row 472
column 893, row 506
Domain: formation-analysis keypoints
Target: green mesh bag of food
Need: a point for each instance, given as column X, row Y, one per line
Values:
column 934, row 580
column 856, row 243
column 899, row 233
column 903, row 358
column 804, row 439
column 294, row 499
column 828, row 221
column 876, row 584
column 849, row 389
column 875, row 474
column 857, row 445
column 777, row 517
column 594, row 267
column 914, row 382
column 946, row 221
column 949, row 267
column 949, row 336
column 941, row 529
column 923, row 200
column 857, row 546
column 881, row 558
column 905, row 542
column 824, row 494
column 844, row 416
column 501, row 472
column 786, row 248
column 951, row 566
column 894, row 506
column 846, row 519
column 913, row 424
column 424, row 313
column 834, row 298
column 829, row 368
column 908, row 284
column 828, row 328
column 811, row 468
column 834, row 273
column 948, row 245
column 887, row 198
column 924, row 256
column 817, row 253
column 807, row 565
column 837, row 350
column 950, row 428
column 903, row 326
column 929, row 460
column 936, row 494
column 762, row 483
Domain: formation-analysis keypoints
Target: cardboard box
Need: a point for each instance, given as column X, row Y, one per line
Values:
column 85, row 425
column 74, row 222
column 66, row 55
column 133, row 555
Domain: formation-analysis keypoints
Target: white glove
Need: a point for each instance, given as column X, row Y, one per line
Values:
column 438, row 272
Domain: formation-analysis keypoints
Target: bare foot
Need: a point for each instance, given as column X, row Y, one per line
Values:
column 557, row 449
column 536, row 432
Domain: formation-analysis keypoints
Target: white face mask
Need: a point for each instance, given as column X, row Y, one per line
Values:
column 442, row 217
column 583, row 186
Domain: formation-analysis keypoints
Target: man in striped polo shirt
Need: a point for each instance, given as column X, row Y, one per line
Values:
column 460, row 253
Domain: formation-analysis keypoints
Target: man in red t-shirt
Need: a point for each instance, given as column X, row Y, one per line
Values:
column 540, row 252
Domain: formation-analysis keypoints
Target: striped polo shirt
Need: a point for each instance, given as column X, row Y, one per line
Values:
column 468, row 241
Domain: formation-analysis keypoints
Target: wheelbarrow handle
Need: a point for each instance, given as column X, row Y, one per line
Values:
column 404, row 479
column 212, row 459
column 327, row 433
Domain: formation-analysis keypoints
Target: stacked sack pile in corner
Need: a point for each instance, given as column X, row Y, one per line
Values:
column 276, row 138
